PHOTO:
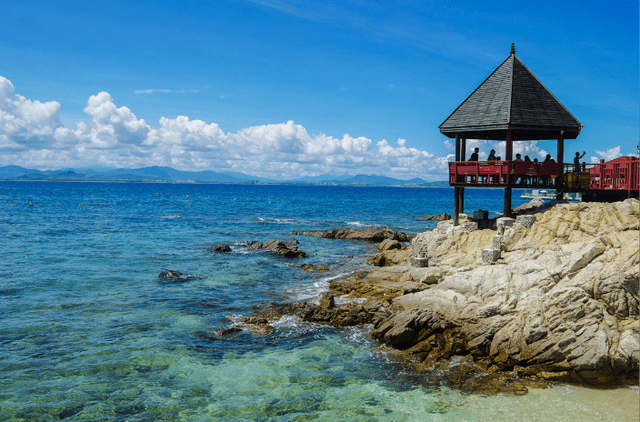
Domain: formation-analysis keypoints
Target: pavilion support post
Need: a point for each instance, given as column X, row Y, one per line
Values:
column 509, row 157
column 463, row 149
column 456, row 205
column 560, row 151
column 507, row 201
column 457, row 147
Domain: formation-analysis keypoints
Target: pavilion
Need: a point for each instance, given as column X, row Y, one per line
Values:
column 511, row 104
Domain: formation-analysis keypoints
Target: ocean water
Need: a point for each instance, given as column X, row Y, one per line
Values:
column 89, row 333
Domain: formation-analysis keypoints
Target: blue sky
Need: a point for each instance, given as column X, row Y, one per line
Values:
column 287, row 89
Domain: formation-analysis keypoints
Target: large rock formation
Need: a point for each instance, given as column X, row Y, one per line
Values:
column 561, row 303
column 371, row 234
column 277, row 247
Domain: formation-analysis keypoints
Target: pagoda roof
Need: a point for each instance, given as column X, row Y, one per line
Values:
column 511, row 97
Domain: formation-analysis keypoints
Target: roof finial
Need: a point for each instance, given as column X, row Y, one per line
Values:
column 513, row 48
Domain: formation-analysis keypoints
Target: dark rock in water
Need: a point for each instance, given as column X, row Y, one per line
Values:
column 278, row 248
column 291, row 241
column 220, row 247
column 176, row 276
column 440, row 217
column 345, row 315
column 372, row 234
column 310, row 267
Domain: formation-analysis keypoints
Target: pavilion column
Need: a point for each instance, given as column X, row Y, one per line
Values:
column 456, row 205
column 509, row 151
column 456, row 190
column 507, row 201
column 560, row 151
column 463, row 149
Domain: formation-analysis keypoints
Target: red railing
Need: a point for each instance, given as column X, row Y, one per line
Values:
column 500, row 173
column 618, row 174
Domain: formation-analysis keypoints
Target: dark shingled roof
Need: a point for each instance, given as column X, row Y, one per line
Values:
column 511, row 98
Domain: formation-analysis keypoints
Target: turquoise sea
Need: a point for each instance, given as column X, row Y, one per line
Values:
column 89, row 333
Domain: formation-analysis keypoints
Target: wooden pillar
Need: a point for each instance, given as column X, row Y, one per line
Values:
column 509, row 152
column 507, row 201
column 456, row 205
column 463, row 150
column 457, row 147
column 560, row 151
column 561, row 147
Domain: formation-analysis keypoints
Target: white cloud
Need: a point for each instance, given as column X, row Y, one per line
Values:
column 31, row 135
column 609, row 154
column 25, row 123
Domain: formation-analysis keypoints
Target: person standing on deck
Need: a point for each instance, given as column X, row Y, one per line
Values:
column 576, row 162
column 474, row 157
column 474, row 154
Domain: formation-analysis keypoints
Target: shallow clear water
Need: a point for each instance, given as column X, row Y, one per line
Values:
column 88, row 331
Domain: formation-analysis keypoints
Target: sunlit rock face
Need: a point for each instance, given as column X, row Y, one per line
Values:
column 561, row 303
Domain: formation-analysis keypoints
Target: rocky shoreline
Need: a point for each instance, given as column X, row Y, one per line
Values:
column 558, row 301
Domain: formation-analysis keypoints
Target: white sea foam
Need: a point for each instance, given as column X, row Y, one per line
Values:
column 357, row 223
column 271, row 220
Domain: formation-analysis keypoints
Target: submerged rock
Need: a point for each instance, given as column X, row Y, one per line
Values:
column 440, row 217
column 220, row 248
column 176, row 276
column 371, row 234
column 278, row 248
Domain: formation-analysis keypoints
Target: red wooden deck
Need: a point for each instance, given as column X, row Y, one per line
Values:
column 618, row 174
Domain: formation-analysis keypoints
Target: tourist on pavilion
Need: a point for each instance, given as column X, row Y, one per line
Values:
column 474, row 154
column 576, row 162
column 492, row 156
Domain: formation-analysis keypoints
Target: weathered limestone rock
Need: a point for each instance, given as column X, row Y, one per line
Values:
column 562, row 306
column 454, row 248
column 391, row 257
column 526, row 220
column 497, row 242
column 490, row 255
column 388, row 244
column 419, row 262
column 503, row 223
column 371, row 234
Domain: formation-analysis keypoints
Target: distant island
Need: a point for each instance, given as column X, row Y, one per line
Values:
column 171, row 175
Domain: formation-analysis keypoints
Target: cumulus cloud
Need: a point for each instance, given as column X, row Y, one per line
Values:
column 31, row 134
column 25, row 123
column 609, row 154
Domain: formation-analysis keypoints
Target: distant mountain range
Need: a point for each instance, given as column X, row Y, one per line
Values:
column 168, row 174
